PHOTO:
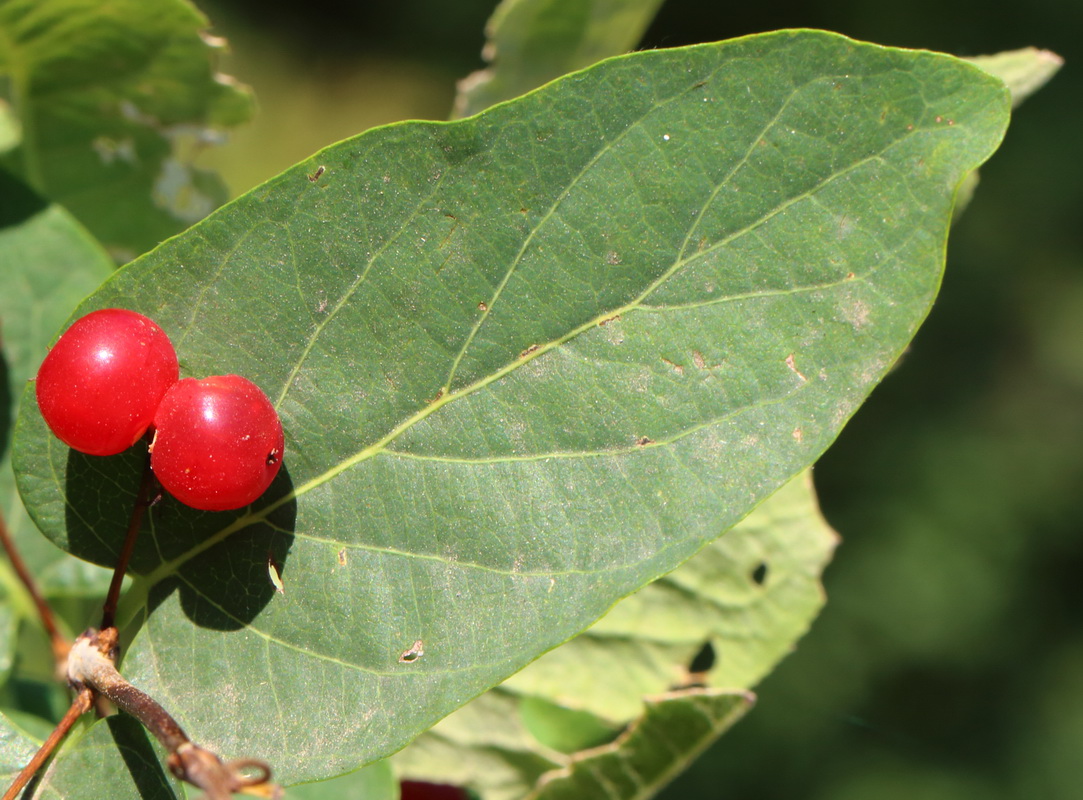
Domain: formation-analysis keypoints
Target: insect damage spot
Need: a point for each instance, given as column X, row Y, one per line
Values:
column 315, row 176
column 673, row 365
column 274, row 572
column 643, row 441
column 416, row 651
column 704, row 660
column 696, row 671
column 342, row 557
column 792, row 364
column 532, row 349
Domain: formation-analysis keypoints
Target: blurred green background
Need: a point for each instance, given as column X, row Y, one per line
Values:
column 948, row 663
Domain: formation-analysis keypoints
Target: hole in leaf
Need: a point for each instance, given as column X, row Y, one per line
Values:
column 704, row 660
column 759, row 574
column 416, row 651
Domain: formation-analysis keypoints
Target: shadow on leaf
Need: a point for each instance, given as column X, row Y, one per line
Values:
column 142, row 762
column 223, row 587
column 227, row 585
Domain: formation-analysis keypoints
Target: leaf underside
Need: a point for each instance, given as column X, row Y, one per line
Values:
column 526, row 362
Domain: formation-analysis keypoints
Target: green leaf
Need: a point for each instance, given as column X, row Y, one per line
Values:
column 10, row 132
column 117, row 753
column 749, row 595
column 115, row 100
column 674, row 729
column 527, row 362
column 531, row 42
column 375, row 782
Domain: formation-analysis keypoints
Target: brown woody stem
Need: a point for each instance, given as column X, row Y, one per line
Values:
column 142, row 500
column 90, row 664
column 59, row 644
column 79, row 706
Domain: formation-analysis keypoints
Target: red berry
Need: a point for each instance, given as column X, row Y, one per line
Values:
column 420, row 790
column 217, row 443
column 99, row 386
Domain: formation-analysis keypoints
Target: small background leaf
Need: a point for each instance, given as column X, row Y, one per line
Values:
column 17, row 747
column 1025, row 71
column 527, row 362
column 531, row 42
column 115, row 100
column 10, row 132
column 674, row 729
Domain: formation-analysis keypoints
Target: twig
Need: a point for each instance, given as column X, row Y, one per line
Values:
column 90, row 664
column 142, row 500
column 79, row 706
column 60, row 645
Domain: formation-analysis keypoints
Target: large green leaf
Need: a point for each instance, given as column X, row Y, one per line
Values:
column 115, row 100
column 748, row 596
column 531, row 42
column 527, row 362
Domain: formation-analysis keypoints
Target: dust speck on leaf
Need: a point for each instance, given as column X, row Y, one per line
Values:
column 315, row 176
column 856, row 313
column 643, row 441
column 612, row 258
column 415, row 651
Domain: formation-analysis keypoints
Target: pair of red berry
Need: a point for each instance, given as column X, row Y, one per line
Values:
column 113, row 374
